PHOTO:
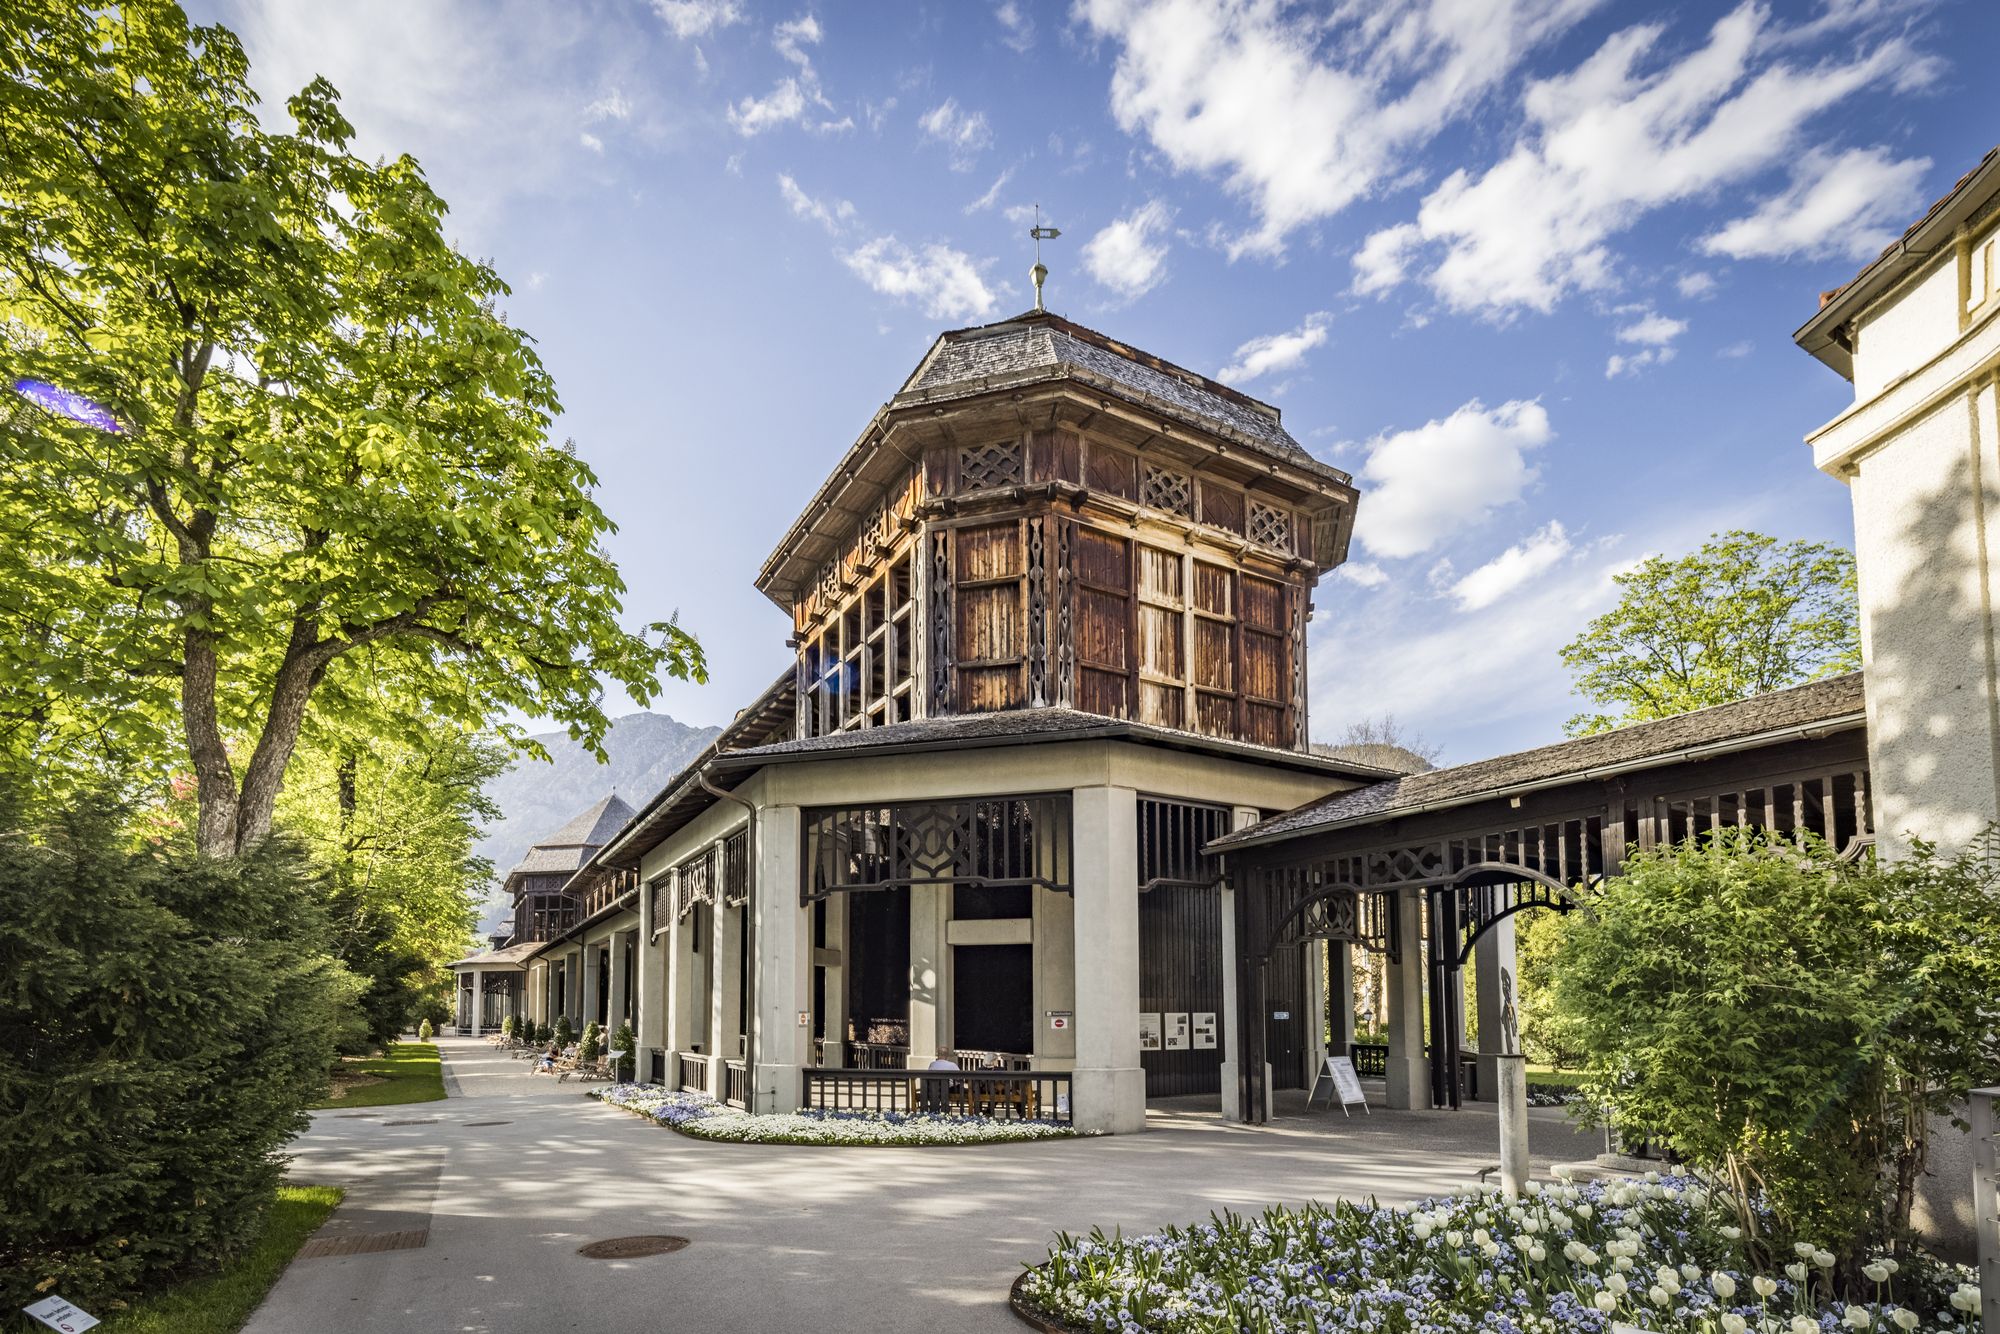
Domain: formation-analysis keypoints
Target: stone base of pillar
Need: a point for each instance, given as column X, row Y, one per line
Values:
column 1231, row 1102
column 1409, row 1083
column 777, row 1088
column 1108, row 1102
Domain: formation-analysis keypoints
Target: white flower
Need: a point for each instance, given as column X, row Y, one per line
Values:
column 1659, row 1295
column 1857, row 1317
column 1537, row 1253
column 1804, row 1324
column 1617, row 1284
column 1690, row 1272
column 1733, row 1233
column 1605, row 1302
column 1876, row 1272
column 1824, row 1259
column 1723, row 1286
column 1733, row 1323
column 1765, row 1286
column 1802, row 1249
column 1904, row 1318
column 1796, row 1272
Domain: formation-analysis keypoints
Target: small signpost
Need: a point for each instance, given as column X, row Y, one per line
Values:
column 1342, row 1082
column 60, row 1315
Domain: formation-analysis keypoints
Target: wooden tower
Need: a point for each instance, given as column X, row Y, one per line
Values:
column 1043, row 516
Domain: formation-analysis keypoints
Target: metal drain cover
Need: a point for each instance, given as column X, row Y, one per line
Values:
column 367, row 1243
column 632, row 1248
column 409, row 1123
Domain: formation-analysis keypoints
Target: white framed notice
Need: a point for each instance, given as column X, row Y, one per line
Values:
column 1204, row 1030
column 1340, row 1081
column 1149, row 1031
column 1177, row 1032
column 60, row 1315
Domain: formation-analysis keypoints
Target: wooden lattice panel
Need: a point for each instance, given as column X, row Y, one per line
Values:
column 1165, row 489
column 995, row 464
column 1270, row 526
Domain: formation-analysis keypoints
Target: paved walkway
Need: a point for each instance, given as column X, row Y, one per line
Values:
column 514, row 1172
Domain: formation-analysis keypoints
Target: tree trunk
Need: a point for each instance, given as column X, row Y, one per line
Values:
column 215, row 781
column 291, row 691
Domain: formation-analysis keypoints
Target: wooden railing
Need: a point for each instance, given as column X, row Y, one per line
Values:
column 1370, row 1060
column 877, row 1056
column 694, row 1072
column 736, row 1084
column 656, row 1065
column 1025, row 1095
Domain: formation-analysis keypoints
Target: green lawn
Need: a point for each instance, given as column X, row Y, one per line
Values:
column 221, row 1304
column 1542, row 1074
column 409, row 1074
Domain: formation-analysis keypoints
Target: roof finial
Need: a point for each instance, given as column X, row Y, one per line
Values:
column 1040, row 272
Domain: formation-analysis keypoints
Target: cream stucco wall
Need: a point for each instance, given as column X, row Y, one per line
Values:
column 1920, row 453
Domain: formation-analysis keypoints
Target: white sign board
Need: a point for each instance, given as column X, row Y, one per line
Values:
column 1059, row 1020
column 1177, row 1032
column 1204, row 1030
column 1149, row 1031
column 1345, row 1084
column 59, row 1314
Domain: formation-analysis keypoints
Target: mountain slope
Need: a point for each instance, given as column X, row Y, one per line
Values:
column 643, row 750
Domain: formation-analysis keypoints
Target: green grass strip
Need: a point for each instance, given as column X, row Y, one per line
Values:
column 410, row 1073
column 221, row 1305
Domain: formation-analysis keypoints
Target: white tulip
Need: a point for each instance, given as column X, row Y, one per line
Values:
column 1765, row 1286
column 1605, row 1302
column 1733, row 1323
column 1723, row 1285
column 1857, row 1317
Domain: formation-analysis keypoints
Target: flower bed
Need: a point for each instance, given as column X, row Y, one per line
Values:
column 1661, row 1255
column 703, row 1117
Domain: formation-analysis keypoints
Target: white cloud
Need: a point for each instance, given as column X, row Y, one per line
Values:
column 944, row 283
column 1384, row 258
column 590, row 141
column 1275, row 352
column 754, row 115
column 793, row 37
column 1652, row 329
column 1737, row 350
column 1530, row 558
column 1130, row 255
column 987, row 200
column 832, row 215
column 964, row 133
column 1020, row 29
column 1694, row 286
column 612, row 106
column 1301, row 112
column 692, row 18
column 1624, row 134
column 1363, row 572
column 1848, row 206
column 1423, row 485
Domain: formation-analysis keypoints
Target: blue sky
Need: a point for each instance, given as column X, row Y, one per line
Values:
column 1527, row 268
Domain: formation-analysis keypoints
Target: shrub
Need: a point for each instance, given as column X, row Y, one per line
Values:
column 591, row 1045
column 1790, row 1021
column 507, row 1028
column 424, row 1033
column 622, row 1042
column 163, row 1021
column 564, row 1033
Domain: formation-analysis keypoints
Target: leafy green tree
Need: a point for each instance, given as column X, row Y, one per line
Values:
column 327, row 438
column 1743, row 615
column 164, row 1018
column 1790, row 1021
column 1548, row 1036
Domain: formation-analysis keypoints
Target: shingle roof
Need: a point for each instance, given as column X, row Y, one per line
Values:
column 510, row 954
column 571, row 846
column 1043, row 347
column 1025, row 725
column 1834, row 699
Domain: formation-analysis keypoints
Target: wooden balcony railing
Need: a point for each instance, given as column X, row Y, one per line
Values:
column 694, row 1072
column 736, row 1084
column 1025, row 1095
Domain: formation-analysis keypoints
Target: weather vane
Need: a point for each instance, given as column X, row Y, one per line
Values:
column 1040, row 272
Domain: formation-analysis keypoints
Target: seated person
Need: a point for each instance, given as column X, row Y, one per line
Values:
column 547, row 1062
column 945, row 1060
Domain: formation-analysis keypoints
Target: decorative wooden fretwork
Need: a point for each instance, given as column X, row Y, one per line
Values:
column 694, row 882
column 1172, row 835
column 1038, row 612
column 1065, row 634
column 1288, row 905
column 997, row 463
column 1166, row 489
column 1405, row 866
column 1007, row 841
column 736, row 869
column 1461, row 912
column 940, row 622
column 664, row 908
column 1270, row 526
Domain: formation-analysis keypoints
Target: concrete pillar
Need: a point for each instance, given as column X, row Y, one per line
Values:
column 683, row 993
column 833, row 958
column 1316, row 1007
column 649, row 1027
column 1494, row 968
column 1232, row 1107
column 1511, row 1091
column 930, row 973
column 587, row 956
column 1409, row 1073
column 478, row 1001
column 783, row 979
column 1340, row 983
column 1986, row 1200
column 731, row 1024
column 1055, row 979
column 1109, row 1084
column 614, row 1013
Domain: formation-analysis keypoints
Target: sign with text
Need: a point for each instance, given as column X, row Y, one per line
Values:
column 1177, row 1032
column 1149, row 1031
column 1059, row 1019
column 59, row 1314
column 1204, row 1030
column 1345, row 1084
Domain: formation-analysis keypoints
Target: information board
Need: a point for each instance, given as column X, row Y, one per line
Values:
column 1177, row 1032
column 60, row 1315
column 1149, row 1031
column 1204, row 1030
column 1341, row 1082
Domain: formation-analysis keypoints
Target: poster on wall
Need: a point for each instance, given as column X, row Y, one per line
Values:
column 1204, row 1031
column 1177, row 1032
column 1149, row 1032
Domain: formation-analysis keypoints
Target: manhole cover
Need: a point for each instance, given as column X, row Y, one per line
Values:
column 409, row 1123
column 631, row 1248
column 489, row 1123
